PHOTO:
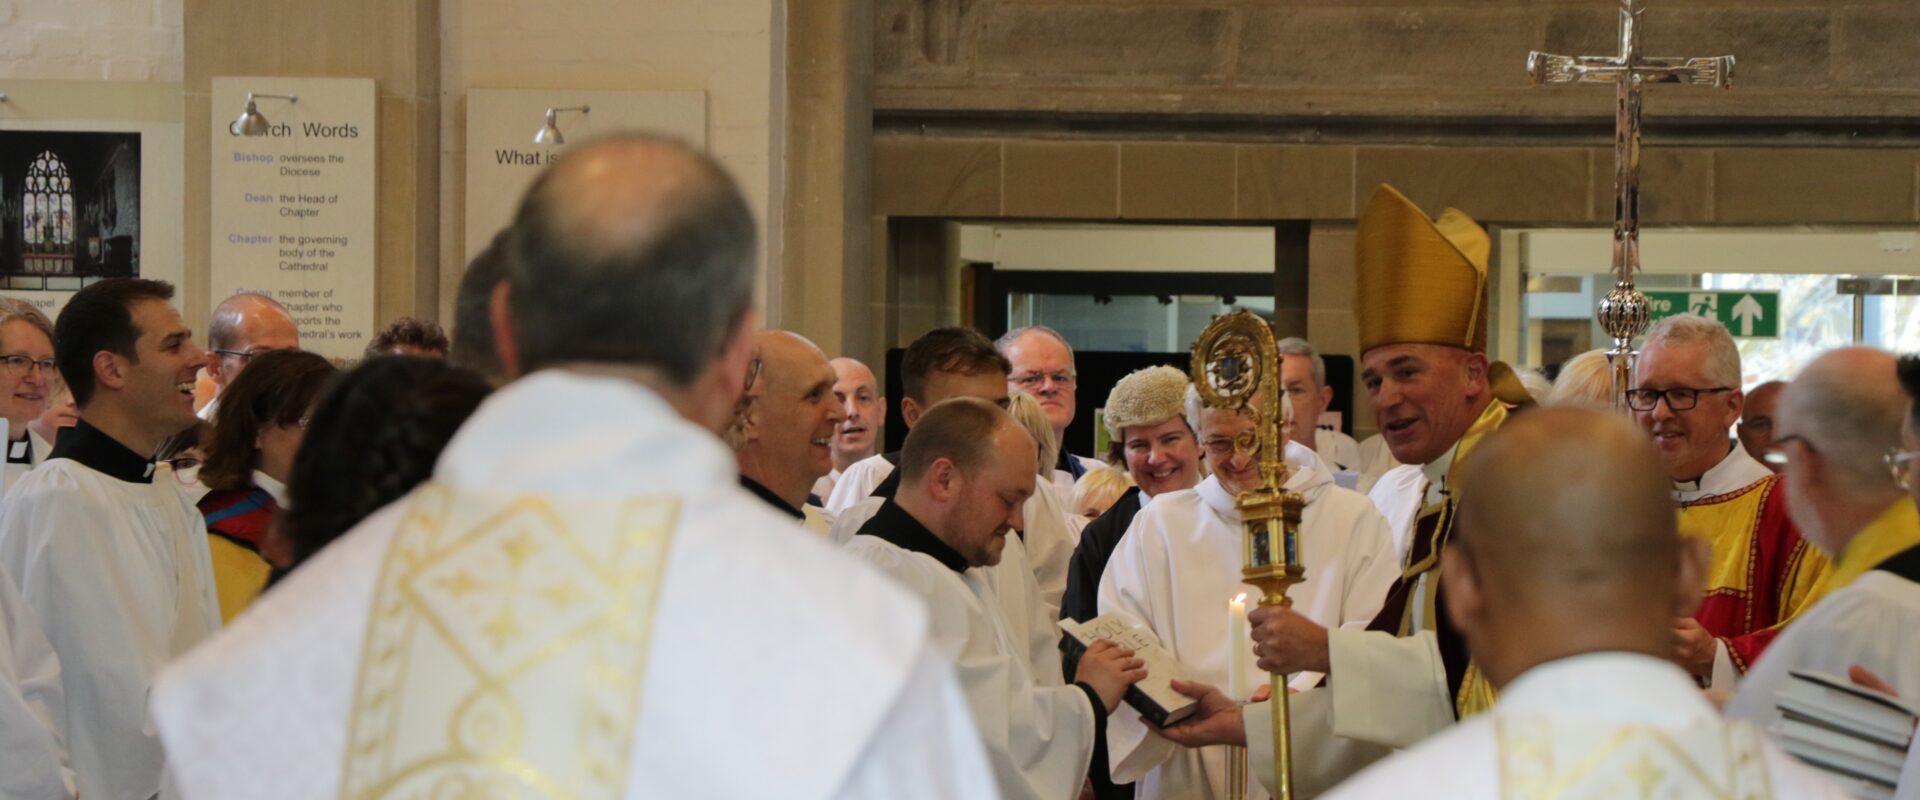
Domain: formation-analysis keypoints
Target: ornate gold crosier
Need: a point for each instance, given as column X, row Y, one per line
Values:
column 1624, row 313
column 1234, row 361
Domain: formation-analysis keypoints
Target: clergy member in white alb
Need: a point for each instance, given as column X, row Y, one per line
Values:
column 27, row 378
column 966, row 471
column 583, row 602
column 786, row 428
column 1832, row 425
column 1566, row 593
column 865, row 411
column 113, row 563
column 32, row 714
column 1031, row 575
column 1179, row 567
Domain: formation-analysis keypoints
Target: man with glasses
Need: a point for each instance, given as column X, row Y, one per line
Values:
column 1686, row 395
column 27, row 380
column 1852, row 493
column 1043, row 367
column 1179, row 567
column 243, row 326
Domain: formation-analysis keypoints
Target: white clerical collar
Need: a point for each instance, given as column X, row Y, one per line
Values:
column 1736, row 471
column 273, row 488
column 1436, row 474
column 1608, row 686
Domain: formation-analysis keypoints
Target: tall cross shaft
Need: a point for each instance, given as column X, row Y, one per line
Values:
column 1623, row 313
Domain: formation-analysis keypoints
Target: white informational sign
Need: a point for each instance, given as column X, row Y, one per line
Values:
column 91, row 183
column 502, row 159
column 293, row 210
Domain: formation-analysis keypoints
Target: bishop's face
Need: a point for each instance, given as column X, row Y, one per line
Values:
column 1424, row 396
column 1691, row 440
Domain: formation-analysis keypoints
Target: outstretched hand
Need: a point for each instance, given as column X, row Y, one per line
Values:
column 1217, row 721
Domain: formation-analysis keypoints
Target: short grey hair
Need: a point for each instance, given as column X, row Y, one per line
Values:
column 1296, row 346
column 1195, row 406
column 1723, row 356
column 12, row 308
column 1849, row 417
column 1007, row 339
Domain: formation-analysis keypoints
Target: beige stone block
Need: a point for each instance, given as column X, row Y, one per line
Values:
column 1176, row 180
column 1122, row 42
column 1676, row 185
column 1330, row 276
column 1490, row 184
column 1874, row 47
column 1777, row 48
column 1793, row 185
column 1295, row 182
column 1059, row 180
column 1399, row 46
column 918, row 177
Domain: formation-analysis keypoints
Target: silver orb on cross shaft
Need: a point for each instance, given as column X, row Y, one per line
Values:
column 1624, row 313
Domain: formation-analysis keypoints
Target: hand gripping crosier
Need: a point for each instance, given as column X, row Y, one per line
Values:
column 1234, row 361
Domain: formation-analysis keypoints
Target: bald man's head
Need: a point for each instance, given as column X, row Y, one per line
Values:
column 631, row 250
column 788, row 425
column 244, row 326
column 864, row 409
column 1567, row 510
column 1834, row 425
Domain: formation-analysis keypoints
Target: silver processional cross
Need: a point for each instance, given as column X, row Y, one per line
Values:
column 1623, row 313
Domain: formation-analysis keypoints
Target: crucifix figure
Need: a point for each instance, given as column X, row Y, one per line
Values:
column 1623, row 313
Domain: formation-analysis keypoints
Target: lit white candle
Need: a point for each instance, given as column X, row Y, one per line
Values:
column 1236, row 647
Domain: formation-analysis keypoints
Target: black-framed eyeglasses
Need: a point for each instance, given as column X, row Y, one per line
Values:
column 1900, row 463
column 19, row 365
column 1777, row 456
column 1679, row 398
column 1064, row 379
column 243, row 355
column 753, row 371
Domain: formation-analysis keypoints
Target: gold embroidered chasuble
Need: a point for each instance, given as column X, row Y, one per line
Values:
column 507, row 647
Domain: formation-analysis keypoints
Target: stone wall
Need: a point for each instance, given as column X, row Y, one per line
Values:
column 1380, row 58
column 114, row 40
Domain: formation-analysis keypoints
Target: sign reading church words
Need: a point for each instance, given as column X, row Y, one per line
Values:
column 293, row 204
column 1747, row 313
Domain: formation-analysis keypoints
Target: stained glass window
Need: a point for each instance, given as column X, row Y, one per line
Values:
column 46, row 205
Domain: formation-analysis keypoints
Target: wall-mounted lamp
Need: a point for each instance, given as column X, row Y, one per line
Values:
column 550, row 133
column 251, row 122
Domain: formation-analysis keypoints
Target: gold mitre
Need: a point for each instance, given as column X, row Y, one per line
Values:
column 1420, row 281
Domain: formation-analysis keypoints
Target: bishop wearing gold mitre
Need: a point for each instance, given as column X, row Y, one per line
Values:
column 1422, row 309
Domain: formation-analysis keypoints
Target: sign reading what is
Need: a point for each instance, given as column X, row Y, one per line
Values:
column 1751, row 314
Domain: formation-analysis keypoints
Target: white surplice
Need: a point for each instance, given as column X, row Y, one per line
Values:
column 775, row 665
column 1014, row 588
column 1375, row 457
column 1870, row 622
column 32, row 713
column 1179, row 566
column 1063, row 480
column 1602, row 725
column 1039, row 733
column 119, row 576
column 1049, row 537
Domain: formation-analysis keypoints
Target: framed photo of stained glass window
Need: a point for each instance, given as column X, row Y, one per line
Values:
column 69, row 207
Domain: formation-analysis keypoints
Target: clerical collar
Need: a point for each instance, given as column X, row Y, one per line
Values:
column 101, row 453
column 892, row 524
column 772, row 499
column 20, row 452
column 273, row 488
column 1436, row 474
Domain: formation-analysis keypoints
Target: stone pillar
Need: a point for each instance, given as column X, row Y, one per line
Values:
column 821, row 281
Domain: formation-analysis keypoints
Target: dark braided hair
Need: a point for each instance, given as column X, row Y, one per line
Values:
column 375, row 436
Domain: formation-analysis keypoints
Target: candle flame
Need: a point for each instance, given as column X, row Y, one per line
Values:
column 1240, row 598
